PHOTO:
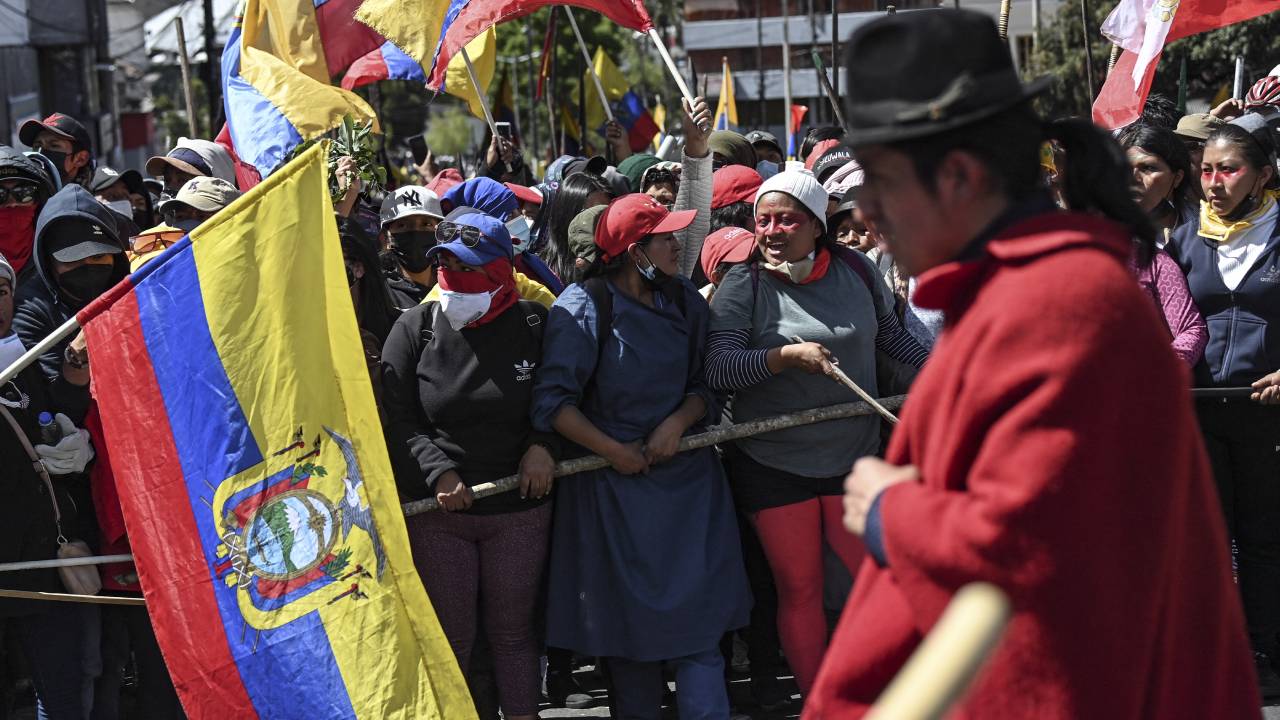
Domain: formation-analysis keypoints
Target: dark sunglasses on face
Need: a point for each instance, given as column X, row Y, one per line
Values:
column 447, row 231
column 22, row 193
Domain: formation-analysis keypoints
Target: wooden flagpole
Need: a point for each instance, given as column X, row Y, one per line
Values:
column 482, row 95
column 591, row 67
column 671, row 67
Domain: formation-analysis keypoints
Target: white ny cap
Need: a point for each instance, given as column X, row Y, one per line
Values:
column 407, row 201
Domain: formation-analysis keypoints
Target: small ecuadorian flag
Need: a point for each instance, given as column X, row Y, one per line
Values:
column 727, row 109
column 253, row 475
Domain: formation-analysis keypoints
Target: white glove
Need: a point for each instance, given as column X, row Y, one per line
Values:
column 72, row 453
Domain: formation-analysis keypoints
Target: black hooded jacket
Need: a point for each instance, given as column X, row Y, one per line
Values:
column 14, row 164
column 40, row 308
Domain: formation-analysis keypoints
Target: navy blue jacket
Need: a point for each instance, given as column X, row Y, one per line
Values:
column 1244, row 324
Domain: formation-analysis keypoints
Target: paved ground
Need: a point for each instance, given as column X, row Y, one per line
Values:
column 739, row 696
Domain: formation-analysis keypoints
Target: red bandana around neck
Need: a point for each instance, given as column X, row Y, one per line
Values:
column 497, row 277
column 17, row 233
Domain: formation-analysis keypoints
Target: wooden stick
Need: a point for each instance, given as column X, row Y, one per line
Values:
column 839, row 376
column 483, row 95
column 830, row 91
column 68, row 597
column 693, row 442
column 39, row 349
column 944, row 665
column 1088, row 48
column 185, row 61
column 64, row 562
column 586, row 57
column 671, row 67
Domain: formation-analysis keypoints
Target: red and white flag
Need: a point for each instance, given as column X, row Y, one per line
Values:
column 1142, row 28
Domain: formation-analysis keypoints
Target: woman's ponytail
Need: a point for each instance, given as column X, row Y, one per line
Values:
column 1097, row 179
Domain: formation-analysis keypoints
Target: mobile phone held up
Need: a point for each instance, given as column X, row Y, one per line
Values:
column 504, row 130
column 418, row 146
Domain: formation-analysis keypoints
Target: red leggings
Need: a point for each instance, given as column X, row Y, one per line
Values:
column 792, row 537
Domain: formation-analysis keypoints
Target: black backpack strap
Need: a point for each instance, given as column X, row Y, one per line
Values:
column 597, row 289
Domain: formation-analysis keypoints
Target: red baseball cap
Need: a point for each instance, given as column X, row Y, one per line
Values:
column 525, row 194
column 734, row 183
column 727, row 245
column 631, row 218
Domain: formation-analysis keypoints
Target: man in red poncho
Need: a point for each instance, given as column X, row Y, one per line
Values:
column 1049, row 446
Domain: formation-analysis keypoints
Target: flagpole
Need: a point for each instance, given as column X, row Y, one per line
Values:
column 39, row 349
column 762, row 109
column 671, row 67
column 586, row 57
column 483, row 96
column 835, row 58
column 533, row 99
column 830, row 91
column 786, row 75
column 1088, row 48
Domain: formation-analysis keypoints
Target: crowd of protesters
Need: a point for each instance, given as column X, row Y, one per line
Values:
column 612, row 308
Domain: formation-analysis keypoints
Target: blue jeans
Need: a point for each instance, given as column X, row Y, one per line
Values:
column 700, row 688
column 53, row 642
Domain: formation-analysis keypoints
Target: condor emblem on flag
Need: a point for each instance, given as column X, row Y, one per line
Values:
column 253, row 475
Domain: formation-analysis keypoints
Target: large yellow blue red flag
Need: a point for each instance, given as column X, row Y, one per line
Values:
column 253, row 475
column 276, row 78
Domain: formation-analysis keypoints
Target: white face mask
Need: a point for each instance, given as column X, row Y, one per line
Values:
column 119, row 207
column 11, row 349
column 798, row 271
column 462, row 309
column 519, row 227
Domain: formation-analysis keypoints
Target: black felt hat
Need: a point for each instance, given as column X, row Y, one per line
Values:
column 914, row 74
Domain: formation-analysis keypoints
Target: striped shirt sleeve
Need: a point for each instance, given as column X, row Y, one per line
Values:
column 730, row 365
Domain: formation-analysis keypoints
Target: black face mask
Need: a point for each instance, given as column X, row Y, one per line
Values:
column 351, row 277
column 411, row 249
column 86, row 282
column 59, row 160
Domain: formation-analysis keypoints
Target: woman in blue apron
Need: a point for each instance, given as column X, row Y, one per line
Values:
column 645, row 561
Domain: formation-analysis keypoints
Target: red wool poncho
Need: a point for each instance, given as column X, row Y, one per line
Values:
column 1060, row 460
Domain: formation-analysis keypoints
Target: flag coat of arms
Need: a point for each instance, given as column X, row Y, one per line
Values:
column 253, row 474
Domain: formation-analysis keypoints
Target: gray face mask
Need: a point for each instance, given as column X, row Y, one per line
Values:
column 186, row 225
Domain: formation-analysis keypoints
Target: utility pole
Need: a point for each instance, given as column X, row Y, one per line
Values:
column 211, row 74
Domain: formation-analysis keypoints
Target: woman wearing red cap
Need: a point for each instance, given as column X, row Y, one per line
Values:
column 799, row 283
column 457, row 378
column 646, row 566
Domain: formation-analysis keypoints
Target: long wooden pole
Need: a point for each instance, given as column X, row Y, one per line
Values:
column 786, row 75
column 829, row 90
column 39, row 349
column 482, row 94
column 184, row 60
column 671, row 68
column 953, row 652
column 1088, row 48
column 586, row 58
column 693, row 442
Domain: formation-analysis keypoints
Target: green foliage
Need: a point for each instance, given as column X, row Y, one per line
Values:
column 1210, row 58
column 449, row 130
column 357, row 141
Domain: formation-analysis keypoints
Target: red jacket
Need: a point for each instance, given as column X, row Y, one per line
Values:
column 1060, row 460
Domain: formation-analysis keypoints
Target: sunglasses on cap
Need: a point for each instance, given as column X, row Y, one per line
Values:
column 142, row 244
column 22, row 193
column 470, row 236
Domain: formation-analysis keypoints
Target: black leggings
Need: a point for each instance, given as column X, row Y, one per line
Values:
column 1243, row 440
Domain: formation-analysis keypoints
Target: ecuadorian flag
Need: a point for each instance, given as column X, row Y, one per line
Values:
column 254, row 477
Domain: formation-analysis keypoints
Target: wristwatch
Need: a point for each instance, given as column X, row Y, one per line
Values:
column 77, row 360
